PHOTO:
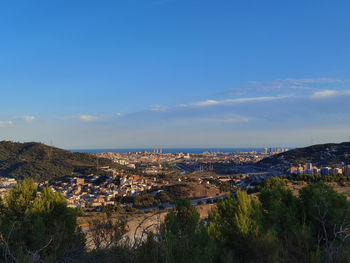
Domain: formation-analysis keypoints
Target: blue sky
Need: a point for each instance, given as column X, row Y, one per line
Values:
column 175, row 73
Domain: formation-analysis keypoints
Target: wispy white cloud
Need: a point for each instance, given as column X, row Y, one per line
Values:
column 208, row 103
column 5, row 123
column 226, row 119
column 13, row 120
column 238, row 100
column 312, row 80
column 88, row 118
column 28, row 118
column 119, row 115
column 292, row 84
column 159, row 108
column 323, row 94
column 202, row 120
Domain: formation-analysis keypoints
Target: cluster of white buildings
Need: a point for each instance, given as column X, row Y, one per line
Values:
column 131, row 158
column 157, row 157
column 6, row 184
column 325, row 170
column 97, row 191
column 275, row 151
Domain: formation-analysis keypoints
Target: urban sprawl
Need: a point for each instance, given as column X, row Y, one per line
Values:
column 150, row 171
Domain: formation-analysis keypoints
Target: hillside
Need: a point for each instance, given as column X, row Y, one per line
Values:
column 321, row 154
column 42, row 162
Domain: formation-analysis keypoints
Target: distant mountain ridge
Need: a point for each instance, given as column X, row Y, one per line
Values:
column 42, row 162
column 320, row 155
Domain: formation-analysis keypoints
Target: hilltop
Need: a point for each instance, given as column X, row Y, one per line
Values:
column 321, row 154
column 42, row 162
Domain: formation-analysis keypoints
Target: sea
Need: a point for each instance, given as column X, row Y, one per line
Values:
column 171, row 150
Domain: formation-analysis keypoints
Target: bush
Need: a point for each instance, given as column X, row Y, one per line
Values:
column 38, row 227
column 279, row 227
column 184, row 234
column 145, row 200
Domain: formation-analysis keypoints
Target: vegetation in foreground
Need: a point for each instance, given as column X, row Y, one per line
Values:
column 276, row 227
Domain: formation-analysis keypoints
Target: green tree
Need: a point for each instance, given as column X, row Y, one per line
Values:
column 185, row 236
column 238, row 216
column 19, row 199
column 281, row 208
column 329, row 214
column 38, row 226
column 236, row 224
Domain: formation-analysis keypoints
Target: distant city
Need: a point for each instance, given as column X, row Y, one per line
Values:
column 150, row 170
column 186, row 150
column 212, row 172
column 310, row 169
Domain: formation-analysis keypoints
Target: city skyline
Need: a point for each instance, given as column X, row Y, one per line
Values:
column 175, row 73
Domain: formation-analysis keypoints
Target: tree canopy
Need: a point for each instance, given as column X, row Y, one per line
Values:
column 37, row 226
